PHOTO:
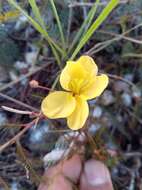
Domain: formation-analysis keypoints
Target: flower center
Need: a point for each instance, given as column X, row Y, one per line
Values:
column 77, row 85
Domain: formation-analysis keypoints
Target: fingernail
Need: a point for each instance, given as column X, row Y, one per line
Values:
column 96, row 173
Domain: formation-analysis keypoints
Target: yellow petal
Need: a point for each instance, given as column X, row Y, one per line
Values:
column 88, row 63
column 77, row 71
column 58, row 104
column 96, row 87
column 72, row 71
column 79, row 116
column 65, row 77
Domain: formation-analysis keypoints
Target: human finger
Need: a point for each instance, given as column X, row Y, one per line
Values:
column 95, row 176
column 56, row 176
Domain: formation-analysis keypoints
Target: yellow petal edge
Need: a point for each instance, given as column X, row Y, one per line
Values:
column 58, row 104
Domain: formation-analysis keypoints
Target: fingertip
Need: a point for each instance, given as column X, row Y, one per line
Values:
column 70, row 168
column 95, row 176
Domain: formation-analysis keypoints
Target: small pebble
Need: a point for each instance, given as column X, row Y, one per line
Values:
column 31, row 57
column 14, row 186
column 19, row 65
column 107, row 98
column 3, row 118
column 129, row 77
column 97, row 112
column 94, row 127
column 126, row 99
column 136, row 92
column 120, row 86
column 22, row 20
column 37, row 134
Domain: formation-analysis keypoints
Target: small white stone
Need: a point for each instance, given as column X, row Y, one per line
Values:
column 126, row 98
column 94, row 127
column 31, row 57
column 120, row 86
column 3, row 118
column 14, row 186
column 129, row 77
column 97, row 112
column 20, row 65
column 22, row 20
column 136, row 93
column 37, row 134
column 107, row 98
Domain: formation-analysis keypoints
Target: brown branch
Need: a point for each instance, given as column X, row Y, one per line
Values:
column 18, row 102
column 122, row 79
column 16, row 137
column 82, row 4
column 121, row 36
column 4, row 184
column 23, row 77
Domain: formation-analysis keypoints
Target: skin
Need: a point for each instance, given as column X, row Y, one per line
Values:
column 92, row 175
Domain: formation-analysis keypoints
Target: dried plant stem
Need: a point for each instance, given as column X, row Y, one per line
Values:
column 80, row 4
column 122, row 79
column 102, row 45
column 18, row 102
column 44, row 88
column 10, row 84
column 16, row 137
column 4, row 184
column 16, row 110
column 121, row 36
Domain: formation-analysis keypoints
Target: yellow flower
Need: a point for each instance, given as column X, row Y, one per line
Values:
column 80, row 81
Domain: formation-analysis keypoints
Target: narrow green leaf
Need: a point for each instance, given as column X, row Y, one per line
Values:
column 52, row 44
column 87, row 23
column 58, row 22
column 36, row 12
column 106, row 11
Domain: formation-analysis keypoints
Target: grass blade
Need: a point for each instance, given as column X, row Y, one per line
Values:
column 52, row 44
column 106, row 11
column 86, row 22
column 36, row 12
column 58, row 22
